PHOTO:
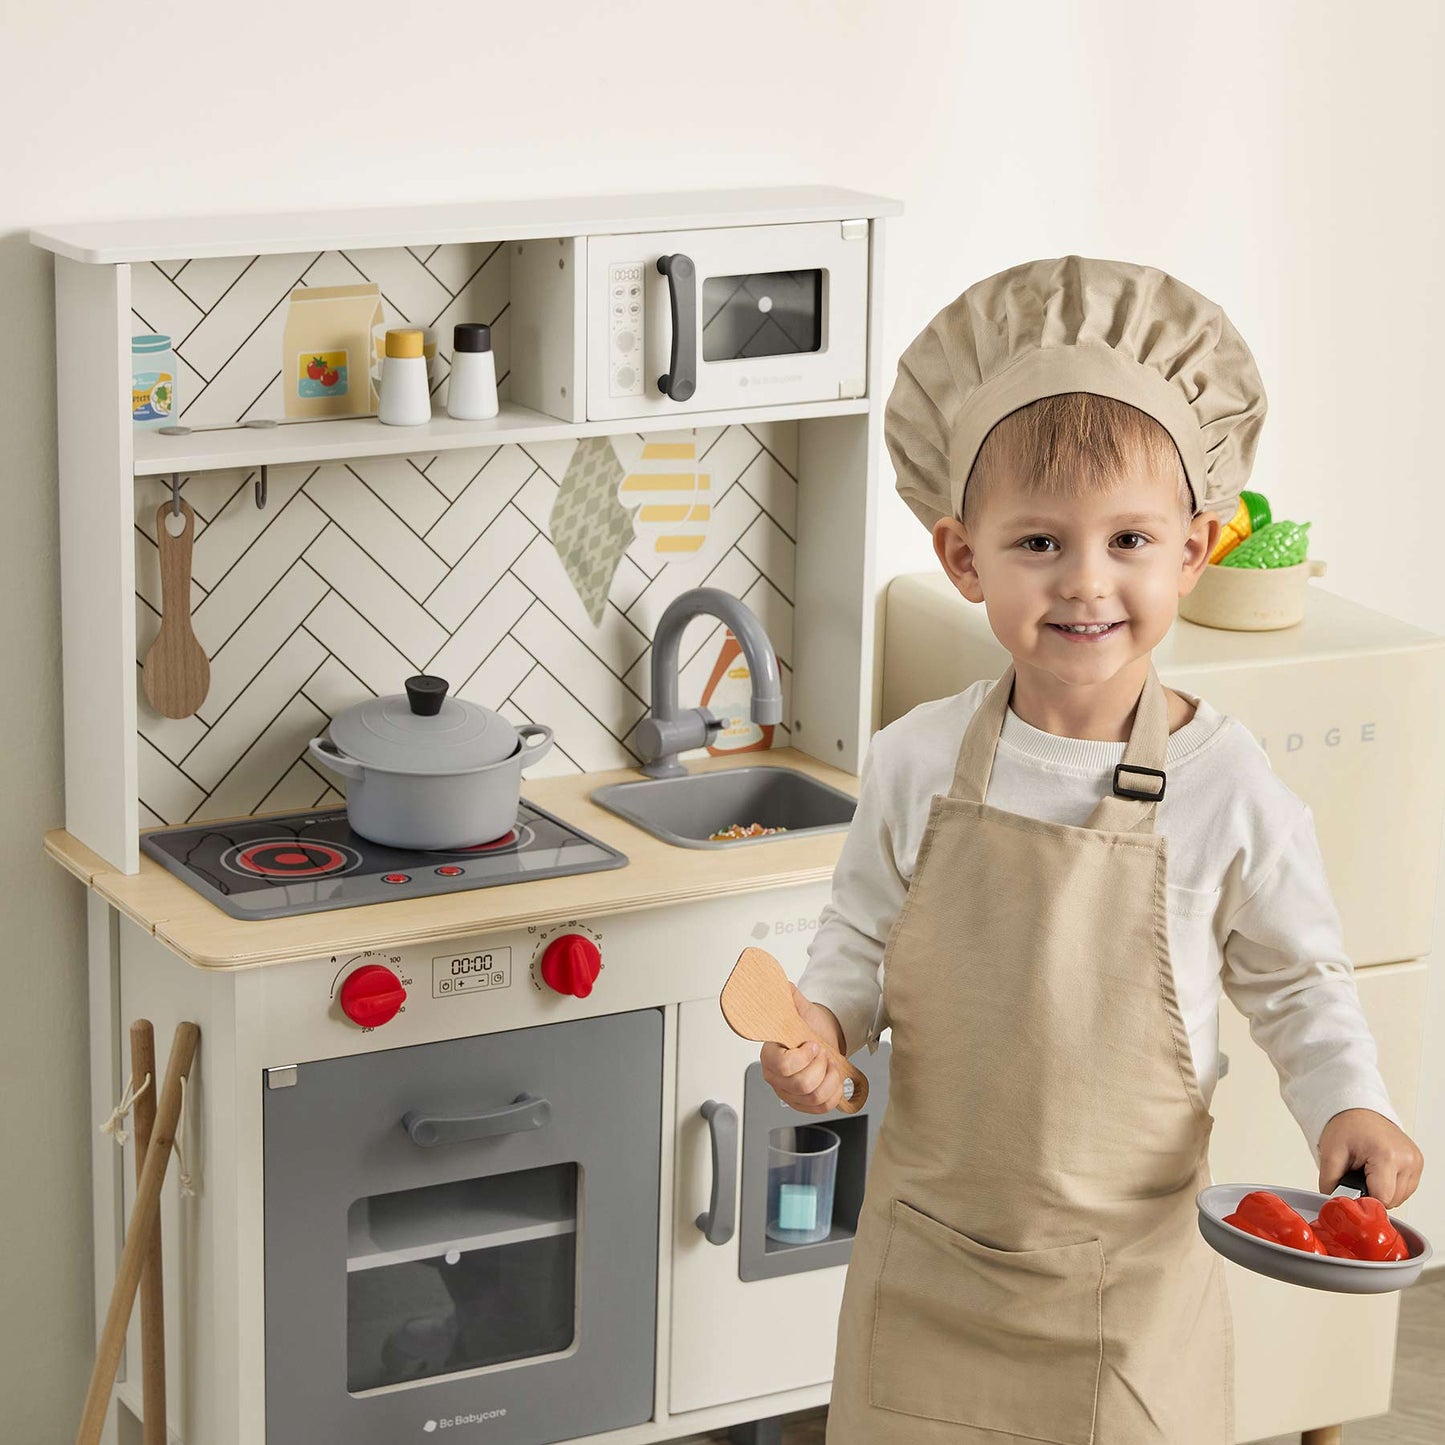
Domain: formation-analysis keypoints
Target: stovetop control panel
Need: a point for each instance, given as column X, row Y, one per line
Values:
column 372, row 988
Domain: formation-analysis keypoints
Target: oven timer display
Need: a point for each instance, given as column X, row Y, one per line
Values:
column 455, row 973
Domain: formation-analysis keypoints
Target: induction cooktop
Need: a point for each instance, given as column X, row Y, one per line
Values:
column 312, row 861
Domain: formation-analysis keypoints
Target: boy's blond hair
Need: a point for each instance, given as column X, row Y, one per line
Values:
column 1074, row 444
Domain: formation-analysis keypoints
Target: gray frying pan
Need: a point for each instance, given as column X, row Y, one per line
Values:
column 1294, row 1266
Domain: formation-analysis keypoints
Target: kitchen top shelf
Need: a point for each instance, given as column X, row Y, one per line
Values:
column 511, row 219
column 656, row 875
column 329, row 441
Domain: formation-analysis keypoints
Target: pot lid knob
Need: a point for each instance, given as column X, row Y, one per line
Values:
column 426, row 694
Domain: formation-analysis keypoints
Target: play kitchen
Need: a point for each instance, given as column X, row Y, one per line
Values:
column 469, row 1145
column 476, row 1140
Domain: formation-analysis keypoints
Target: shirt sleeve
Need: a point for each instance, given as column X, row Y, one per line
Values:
column 1286, row 970
column 844, row 968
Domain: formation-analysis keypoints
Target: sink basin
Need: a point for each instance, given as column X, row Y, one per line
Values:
column 684, row 811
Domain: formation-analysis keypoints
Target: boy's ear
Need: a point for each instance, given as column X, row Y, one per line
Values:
column 1199, row 545
column 955, row 552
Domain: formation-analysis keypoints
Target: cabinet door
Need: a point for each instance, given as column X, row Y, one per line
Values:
column 732, row 1340
column 1348, row 1341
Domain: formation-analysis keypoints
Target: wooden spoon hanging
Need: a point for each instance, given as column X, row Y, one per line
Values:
column 177, row 672
column 757, row 1002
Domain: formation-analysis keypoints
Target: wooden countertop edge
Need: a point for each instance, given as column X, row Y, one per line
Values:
column 658, row 873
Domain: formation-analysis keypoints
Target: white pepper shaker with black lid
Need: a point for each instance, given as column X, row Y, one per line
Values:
column 472, row 387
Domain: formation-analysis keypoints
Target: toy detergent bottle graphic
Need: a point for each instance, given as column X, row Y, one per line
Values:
column 728, row 695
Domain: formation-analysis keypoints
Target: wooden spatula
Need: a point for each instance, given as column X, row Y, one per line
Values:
column 757, row 1002
column 177, row 672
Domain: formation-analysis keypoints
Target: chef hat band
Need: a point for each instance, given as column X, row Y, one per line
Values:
column 1046, row 327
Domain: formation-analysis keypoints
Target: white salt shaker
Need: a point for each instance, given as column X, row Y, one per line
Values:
column 472, row 388
column 405, row 399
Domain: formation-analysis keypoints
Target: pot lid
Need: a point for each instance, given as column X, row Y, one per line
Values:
column 423, row 731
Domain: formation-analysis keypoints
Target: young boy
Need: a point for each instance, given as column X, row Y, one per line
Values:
column 1048, row 881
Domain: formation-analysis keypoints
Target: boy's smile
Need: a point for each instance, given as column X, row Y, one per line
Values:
column 1080, row 589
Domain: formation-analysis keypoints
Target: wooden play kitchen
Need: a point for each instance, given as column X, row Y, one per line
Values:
column 395, row 1101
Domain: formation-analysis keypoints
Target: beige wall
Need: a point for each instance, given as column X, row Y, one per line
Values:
column 1283, row 158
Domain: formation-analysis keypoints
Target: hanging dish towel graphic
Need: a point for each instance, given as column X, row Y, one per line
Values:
column 673, row 499
column 591, row 529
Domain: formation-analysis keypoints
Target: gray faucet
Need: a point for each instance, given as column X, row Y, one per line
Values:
column 664, row 733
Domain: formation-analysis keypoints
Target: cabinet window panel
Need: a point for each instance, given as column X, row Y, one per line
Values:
column 459, row 1276
column 767, row 313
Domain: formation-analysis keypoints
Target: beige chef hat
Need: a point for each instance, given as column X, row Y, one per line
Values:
column 1074, row 324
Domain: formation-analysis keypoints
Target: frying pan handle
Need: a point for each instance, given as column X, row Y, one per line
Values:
column 1352, row 1184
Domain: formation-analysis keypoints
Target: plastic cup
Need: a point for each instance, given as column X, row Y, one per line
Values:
column 802, row 1169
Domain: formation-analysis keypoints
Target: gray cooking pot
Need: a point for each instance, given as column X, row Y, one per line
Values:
column 428, row 771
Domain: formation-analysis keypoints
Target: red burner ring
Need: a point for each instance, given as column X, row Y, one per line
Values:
column 505, row 841
column 290, row 858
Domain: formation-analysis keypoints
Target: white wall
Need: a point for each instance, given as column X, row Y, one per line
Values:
column 1282, row 158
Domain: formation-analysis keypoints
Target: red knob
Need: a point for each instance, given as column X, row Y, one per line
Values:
column 372, row 995
column 570, row 964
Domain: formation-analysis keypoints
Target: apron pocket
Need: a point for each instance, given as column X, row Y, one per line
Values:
column 1006, row 1340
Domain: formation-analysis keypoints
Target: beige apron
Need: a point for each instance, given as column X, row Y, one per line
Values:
column 1027, row 1264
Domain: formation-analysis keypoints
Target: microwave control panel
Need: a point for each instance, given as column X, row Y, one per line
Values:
column 624, row 312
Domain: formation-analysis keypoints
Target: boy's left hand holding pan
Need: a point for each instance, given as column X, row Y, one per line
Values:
column 1363, row 1139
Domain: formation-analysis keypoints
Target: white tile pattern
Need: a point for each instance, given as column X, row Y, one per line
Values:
column 355, row 576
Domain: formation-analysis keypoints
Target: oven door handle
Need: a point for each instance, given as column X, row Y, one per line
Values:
column 525, row 1112
column 718, row 1223
column 680, row 379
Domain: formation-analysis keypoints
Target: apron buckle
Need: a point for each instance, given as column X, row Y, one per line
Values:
column 1120, row 791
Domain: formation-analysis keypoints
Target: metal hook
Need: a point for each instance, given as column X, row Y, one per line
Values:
column 261, row 490
column 175, row 494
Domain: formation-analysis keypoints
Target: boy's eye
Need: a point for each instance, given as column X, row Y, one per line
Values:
column 1027, row 540
column 1139, row 539
column 1132, row 542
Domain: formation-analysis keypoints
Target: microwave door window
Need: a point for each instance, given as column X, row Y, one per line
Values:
column 460, row 1276
column 763, row 313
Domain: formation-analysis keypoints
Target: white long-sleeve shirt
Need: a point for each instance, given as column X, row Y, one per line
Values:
column 1250, row 910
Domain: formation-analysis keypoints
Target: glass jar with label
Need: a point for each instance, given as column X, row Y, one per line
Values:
column 152, row 381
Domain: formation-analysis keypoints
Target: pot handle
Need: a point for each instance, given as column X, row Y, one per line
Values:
column 329, row 756
column 531, row 754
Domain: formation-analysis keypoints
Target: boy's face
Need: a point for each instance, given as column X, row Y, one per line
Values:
column 1123, row 557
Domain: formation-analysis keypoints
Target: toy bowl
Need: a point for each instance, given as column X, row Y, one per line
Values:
column 1250, row 599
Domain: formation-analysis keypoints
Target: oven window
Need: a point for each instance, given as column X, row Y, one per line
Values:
column 766, row 313
column 459, row 1276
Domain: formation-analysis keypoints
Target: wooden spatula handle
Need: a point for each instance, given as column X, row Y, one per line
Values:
column 757, row 1002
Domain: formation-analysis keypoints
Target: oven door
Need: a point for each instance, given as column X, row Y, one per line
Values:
column 465, row 1232
column 751, row 316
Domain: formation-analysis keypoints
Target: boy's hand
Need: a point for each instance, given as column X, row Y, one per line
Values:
column 1363, row 1139
column 805, row 1078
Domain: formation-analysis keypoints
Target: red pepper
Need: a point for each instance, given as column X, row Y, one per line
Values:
column 1268, row 1217
column 1359, row 1229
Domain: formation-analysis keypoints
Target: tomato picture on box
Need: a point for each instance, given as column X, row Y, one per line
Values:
column 322, row 374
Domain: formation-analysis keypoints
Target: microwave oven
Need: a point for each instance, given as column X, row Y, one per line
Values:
column 696, row 321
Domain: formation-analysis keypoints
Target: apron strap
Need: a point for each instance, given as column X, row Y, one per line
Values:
column 1115, row 812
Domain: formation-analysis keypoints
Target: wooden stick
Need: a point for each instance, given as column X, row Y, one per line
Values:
column 137, row 1236
column 152, row 1290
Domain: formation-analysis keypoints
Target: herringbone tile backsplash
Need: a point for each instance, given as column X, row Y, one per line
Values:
column 356, row 575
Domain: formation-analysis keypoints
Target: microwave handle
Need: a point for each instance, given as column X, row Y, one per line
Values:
column 524, row 1112
column 718, row 1222
column 680, row 380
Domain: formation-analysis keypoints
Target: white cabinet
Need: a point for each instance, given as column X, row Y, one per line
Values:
column 732, row 1339
column 1304, row 1358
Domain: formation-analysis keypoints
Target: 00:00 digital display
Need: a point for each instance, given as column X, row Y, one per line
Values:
column 476, row 963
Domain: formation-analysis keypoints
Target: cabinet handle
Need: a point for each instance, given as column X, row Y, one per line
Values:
column 524, row 1112
column 717, row 1223
column 680, row 380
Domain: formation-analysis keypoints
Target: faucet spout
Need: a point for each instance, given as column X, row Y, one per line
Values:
column 664, row 732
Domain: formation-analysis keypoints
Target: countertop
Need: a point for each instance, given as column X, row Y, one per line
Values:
column 657, row 874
